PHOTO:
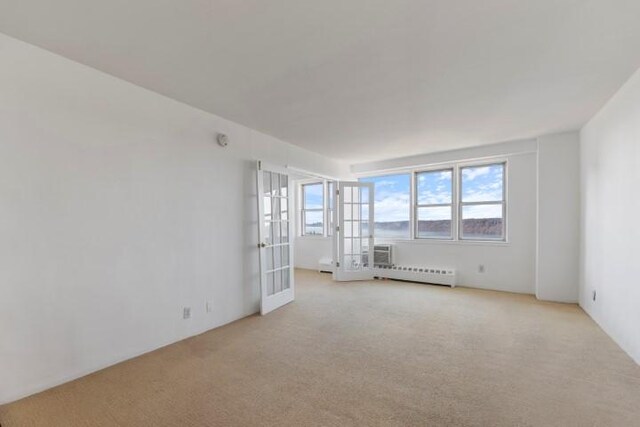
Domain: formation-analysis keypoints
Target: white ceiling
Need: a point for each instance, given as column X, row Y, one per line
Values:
column 357, row 79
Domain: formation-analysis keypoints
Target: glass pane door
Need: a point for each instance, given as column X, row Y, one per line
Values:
column 355, row 233
column 274, row 195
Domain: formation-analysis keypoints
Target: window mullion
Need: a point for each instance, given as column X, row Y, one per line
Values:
column 482, row 203
column 438, row 205
column 414, row 205
column 324, row 208
column 458, row 208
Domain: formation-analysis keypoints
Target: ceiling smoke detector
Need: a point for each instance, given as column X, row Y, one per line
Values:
column 223, row 140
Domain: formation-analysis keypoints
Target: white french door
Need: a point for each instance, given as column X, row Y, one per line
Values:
column 275, row 233
column 354, row 232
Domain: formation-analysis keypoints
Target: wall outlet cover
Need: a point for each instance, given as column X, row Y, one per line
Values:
column 186, row 313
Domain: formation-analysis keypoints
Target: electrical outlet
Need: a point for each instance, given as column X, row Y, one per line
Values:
column 186, row 313
column 481, row 268
column 209, row 306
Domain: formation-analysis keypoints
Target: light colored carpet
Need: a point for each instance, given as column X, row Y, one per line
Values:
column 372, row 353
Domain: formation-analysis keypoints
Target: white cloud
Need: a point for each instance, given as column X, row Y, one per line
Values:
column 434, row 187
column 434, row 213
column 472, row 173
column 434, row 198
column 487, row 188
column 392, row 207
column 482, row 211
column 483, row 195
column 383, row 183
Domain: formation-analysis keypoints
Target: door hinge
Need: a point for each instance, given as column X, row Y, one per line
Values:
column 337, row 228
column 337, row 192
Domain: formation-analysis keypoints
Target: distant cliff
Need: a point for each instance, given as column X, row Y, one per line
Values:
column 471, row 227
column 474, row 226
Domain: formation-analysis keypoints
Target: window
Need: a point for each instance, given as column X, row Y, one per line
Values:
column 331, row 196
column 392, row 205
column 313, row 209
column 434, row 204
column 482, row 202
column 454, row 202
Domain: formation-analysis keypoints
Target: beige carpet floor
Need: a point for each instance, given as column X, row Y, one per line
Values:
column 375, row 353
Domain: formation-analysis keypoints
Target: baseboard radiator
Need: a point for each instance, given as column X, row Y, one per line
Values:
column 432, row 275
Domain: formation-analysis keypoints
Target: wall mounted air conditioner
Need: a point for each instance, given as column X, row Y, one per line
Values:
column 383, row 255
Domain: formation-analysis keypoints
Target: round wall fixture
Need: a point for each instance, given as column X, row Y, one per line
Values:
column 223, row 140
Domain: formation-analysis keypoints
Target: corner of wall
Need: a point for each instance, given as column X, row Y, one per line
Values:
column 558, row 232
column 610, row 241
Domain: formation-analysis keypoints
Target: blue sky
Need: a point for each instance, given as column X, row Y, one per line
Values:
column 482, row 184
column 392, row 193
column 434, row 187
column 313, row 196
column 392, row 196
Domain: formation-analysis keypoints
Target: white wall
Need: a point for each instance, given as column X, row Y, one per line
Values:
column 610, row 244
column 558, row 217
column 309, row 250
column 117, row 209
column 508, row 266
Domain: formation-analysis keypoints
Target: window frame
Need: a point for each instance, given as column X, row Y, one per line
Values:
column 412, row 191
column 456, row 205
column 503, row 202
column 329, row 206
column 304, row 210
column 417, row 205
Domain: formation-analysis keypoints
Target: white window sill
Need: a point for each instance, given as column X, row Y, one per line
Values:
column 444, row 242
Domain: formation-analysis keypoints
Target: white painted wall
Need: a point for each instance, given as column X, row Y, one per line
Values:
column 117, row 209
column 610, row 244
column 508, row 266
column 309, row 250
column 558, row 217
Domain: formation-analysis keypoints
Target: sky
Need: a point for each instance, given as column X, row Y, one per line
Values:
column 313, row 196
column 392, row 197
column 482, row 184
column 392, row 193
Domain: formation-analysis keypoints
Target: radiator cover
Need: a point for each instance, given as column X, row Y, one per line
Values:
column 433, row 275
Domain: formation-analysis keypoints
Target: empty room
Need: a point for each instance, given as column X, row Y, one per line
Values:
column 330, row 213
